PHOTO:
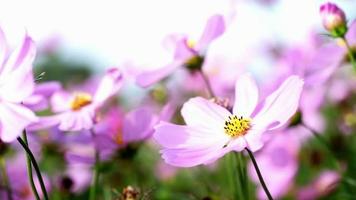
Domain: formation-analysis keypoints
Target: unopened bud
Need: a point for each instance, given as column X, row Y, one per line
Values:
column 334, row 19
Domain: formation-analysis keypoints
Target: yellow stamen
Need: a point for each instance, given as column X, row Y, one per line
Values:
column 237, row 126
column 340, row 42
column 80, row 100
column 118, row 138
column 191, row 43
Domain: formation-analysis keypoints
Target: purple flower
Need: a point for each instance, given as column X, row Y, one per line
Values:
column 117, row 129
column 334, row 19
column 16, row 84
column 213, row 131
column 187, row 53
column 75, row 112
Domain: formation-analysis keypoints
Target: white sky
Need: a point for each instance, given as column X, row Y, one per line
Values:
column 112, row 32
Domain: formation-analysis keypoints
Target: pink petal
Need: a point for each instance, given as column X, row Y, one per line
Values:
column 186, row 146
column 214, row 28
column 183, row 51
column 253, row 139
column 45, row 122
column 237, row 144
column 192, row 157
column 351, row 33
column 200, row 112
column 177, row 136
column 16, row 75
column 246, row 96
column 60, row 101
column 3, row 47
column 82, row 119
column 138, row 125
column 109, row 85
column 280, row 105
column 13, row 120
column 148, row 78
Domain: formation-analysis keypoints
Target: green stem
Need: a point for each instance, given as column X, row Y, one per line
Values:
column 95, row 180
column 29, row 169
column 207, row 83
column 264, row 186
column 35, row 165
column 6, row 178
column 349, row 52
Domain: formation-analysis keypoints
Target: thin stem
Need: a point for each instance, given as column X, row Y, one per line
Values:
column 207, row 83
column 29, row 169
column 35, row 165
column 6, row 178
column 349, row 52
column 259, row 174
column 95, row 180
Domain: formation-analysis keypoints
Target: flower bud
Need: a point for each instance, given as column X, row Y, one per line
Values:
column 334, row 19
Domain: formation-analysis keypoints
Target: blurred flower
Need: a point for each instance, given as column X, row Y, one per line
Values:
column 334, row 19
column 117, row 129
column 16, row 84
column 278, row 157
column 213, row 131
column 323, row 185
column 187, row 53
column 77, row 111
column 17, row 173
column 76, row 178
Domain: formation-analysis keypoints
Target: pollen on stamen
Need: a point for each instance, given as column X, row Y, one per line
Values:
column 237, row 126
column 80, row 100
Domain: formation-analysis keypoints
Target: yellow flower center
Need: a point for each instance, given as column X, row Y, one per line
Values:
column 118, row 137
column 237, row 126
column 80, row 100
column 191, row 43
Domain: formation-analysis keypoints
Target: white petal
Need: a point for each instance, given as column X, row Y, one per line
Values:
column 200, row 112
column 280, row 105
column 246, row 96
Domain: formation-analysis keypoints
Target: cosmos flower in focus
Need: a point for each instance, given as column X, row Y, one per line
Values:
column 187, row 53
column 213, row 131
column 16, row 84
column 77, row 111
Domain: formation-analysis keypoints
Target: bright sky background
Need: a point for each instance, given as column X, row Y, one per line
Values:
column 112, row 32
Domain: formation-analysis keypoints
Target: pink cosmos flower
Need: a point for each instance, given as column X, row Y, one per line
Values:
column 16, row 84
column 213, row 131
column 186, row 52
column 116, row 130
column 75, row 112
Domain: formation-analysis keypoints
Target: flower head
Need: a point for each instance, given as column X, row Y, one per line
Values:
column 187, row 52
column 77, row 111
column 334, row 19
column 213, row 131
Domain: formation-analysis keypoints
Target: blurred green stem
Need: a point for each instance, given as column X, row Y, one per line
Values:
column 95, row 180
column 207, row 83
column 264, row 186
column 29, row 169
column 349, row 52
column 5, row 178
column 35, row 165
